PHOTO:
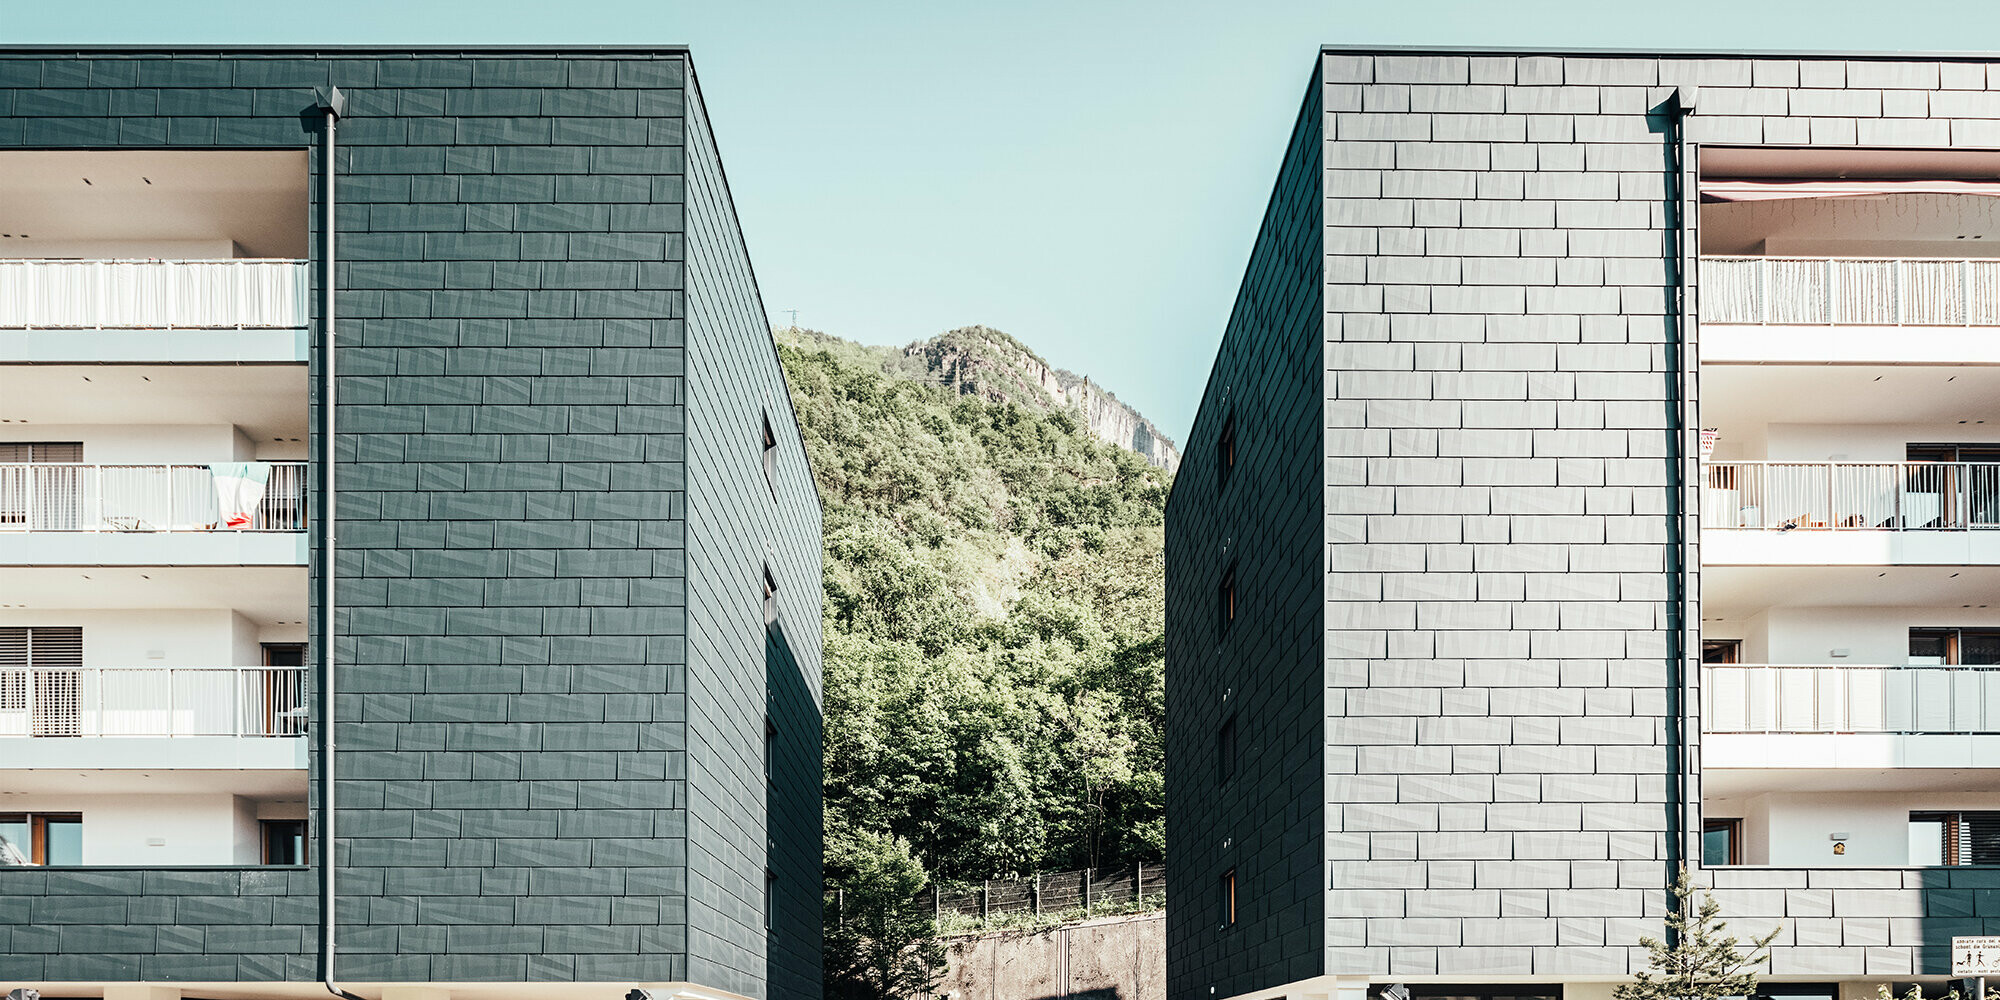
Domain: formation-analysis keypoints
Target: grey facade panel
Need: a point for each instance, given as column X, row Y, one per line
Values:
column 1264, row 821
column 539, row 778
column 1500, row 363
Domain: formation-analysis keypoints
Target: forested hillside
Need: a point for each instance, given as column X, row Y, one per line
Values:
column 994, row 697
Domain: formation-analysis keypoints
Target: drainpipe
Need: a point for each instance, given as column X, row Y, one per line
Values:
column 1679, row 103
column 330, row 106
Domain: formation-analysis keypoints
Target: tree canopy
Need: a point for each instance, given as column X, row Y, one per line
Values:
column 994, row 691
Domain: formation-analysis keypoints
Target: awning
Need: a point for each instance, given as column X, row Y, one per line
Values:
column 1780, row 189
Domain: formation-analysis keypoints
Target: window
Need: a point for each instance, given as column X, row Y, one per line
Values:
column 284, row 841
column 770, row 747
column 770, row 456
column 770, row 598
column 1225, row 899
column 1225, row 751
column 50, row 484
column 44, row 838
column 1225, row 600
column 1954, row 838
column 1938, row 647
column 1721, row 650
column 1225, row 452
column 770, row 899
column 1721, row 842
column 39, row 676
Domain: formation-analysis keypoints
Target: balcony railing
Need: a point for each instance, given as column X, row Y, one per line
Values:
column 1851, row 495
column 57, row 496
column 1828, row 698
column 152, row 294
column 152, row 701
column 1850, row 292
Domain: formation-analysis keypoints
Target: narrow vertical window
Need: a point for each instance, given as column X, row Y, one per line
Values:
column 1225, row 452
column 770, row 598
column 770, row 456
column 770, row 749
column 770, row 899
column 1225, row 600
column 1225, row 899
column 1225, row 751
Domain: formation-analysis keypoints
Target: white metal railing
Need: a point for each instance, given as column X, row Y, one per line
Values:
column 62, row 496
column 152, row 294
column 152, row 701
column 1846, row 495
column 1842, row 698
column 1850, row 291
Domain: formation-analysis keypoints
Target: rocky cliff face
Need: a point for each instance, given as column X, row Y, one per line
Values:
column 985, row 362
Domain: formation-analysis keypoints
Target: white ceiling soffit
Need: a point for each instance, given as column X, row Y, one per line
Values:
column 1741, row 163
column 63, row 198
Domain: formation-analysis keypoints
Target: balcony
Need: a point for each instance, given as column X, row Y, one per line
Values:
column 1849, row 716
column 1896, row 496
column 136, row 311
column 1849, row 698
column 152, row 718
column 1851, row 513
column 80, row 514
column 152, row 701
column 1765, row 310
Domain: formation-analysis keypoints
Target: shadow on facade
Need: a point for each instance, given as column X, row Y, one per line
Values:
column 792, row 794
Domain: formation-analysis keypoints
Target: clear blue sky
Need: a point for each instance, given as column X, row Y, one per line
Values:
column 1086, row 176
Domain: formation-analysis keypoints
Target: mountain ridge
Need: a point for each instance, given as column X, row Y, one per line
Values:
column 996, row 366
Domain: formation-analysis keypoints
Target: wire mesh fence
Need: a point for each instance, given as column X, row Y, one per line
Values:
column 1050, row 893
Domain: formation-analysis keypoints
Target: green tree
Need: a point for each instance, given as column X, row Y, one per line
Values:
column 878, row 945
column 1704, row 962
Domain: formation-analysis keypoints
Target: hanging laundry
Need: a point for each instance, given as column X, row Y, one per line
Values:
column 239, row 490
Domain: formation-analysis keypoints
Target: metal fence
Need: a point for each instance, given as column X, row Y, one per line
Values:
column 1836, row 495
column 1843, row 698
column 152, row 294
column 1848, row 291
column 1052, row 893
column 152, row 701
column 63, row 496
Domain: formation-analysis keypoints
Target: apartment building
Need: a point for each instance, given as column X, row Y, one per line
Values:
column 409, row 563
column 1597, row 476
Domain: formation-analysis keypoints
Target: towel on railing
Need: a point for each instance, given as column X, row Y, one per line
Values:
column 239, row 489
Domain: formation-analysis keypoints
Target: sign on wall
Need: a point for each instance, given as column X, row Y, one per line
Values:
column 1975, row 956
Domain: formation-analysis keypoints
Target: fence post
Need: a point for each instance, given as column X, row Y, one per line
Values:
column 1138, row 880
column 1037, row 900
column 1086, row 888
column 985, row 899
column 937, row 904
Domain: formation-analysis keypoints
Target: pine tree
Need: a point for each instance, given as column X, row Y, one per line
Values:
column 1704, row 962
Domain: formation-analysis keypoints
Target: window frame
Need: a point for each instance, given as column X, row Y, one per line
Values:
column 770, row 456
column 1733, row 826
column 265, row 827
column 38, row 835
column 1225, row 900
column 770, row 598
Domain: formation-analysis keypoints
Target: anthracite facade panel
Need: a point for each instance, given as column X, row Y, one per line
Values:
column 542, row 777
column 748, row 680
column 1259, row 525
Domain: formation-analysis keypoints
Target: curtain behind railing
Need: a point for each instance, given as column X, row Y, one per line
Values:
column 134, row 294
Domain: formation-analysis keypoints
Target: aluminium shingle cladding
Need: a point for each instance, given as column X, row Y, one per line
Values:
column 540, row 777
column 1497, row 509
column 1265, row 821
